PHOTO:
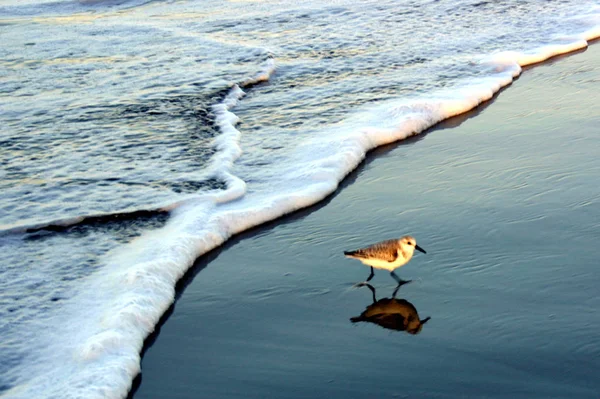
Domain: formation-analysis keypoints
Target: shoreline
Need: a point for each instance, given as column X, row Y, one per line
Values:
column 378, row 155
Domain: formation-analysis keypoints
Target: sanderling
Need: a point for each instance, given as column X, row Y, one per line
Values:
column 387, row 255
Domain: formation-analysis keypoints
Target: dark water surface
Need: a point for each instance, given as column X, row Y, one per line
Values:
column 507, row 204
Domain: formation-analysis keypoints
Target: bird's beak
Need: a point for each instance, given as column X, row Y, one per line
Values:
column 420, row 249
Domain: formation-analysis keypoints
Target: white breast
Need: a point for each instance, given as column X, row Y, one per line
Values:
column 382, row 264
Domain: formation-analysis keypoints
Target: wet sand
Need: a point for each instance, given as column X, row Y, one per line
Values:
column 505, row 199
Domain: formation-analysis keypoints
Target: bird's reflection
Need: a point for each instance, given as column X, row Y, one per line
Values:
column 391, row 313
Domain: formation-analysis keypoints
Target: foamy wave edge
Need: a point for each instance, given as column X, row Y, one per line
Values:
column 121, row 305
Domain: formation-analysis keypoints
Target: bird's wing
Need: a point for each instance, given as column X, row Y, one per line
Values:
column 385, row 250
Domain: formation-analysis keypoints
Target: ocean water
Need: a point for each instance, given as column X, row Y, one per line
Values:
column 137, row 136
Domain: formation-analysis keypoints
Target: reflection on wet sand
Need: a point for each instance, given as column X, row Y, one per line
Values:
column 392, row 313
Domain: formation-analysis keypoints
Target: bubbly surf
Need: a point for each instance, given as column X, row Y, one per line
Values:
column 89, row 344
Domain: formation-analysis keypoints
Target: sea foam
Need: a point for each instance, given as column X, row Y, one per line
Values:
column 93, row 348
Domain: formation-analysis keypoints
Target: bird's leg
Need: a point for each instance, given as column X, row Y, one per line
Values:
column 366, row 282
column 398, row 287
column 372, row 290
column 398, row 279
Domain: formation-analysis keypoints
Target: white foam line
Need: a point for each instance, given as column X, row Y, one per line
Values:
column 542, row 54
column 227, row 143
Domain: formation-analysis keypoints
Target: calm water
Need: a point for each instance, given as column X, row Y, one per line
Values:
column 137, row 135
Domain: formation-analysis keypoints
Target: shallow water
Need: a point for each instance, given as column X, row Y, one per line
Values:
column 509, row 279
column 139, row 135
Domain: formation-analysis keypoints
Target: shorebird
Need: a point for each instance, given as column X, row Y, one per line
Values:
column 387, row 255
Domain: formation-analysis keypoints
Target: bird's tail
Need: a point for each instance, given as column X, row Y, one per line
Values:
column 350, row 254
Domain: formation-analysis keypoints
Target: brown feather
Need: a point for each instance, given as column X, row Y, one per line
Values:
column 385, row 250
